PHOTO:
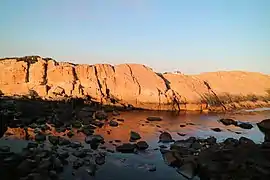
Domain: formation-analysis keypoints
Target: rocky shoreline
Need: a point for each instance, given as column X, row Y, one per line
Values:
column 48, row 126
column 133, row 85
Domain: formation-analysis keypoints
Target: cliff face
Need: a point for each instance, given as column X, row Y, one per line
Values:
column 132, row 84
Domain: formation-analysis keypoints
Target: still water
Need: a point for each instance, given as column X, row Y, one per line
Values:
column 135, row 166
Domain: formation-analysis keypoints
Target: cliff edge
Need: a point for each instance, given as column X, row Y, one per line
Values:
column 132, row 85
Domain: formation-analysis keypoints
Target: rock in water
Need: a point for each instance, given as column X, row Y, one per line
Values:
column 94, row 139
column 264, row 126
column 115, row 113
column 134, row 136
column 142, row 145
column 154, row 118
column 4, row 149
column 187, row 170
column 91, row 170
column 216, row 129
column 126, row 148
column 165, row 137
column 101, row 115
column 171, row 158
column 100, row 160
column 228, row 122
column 181, row 134
column 113, row 123
column 245, row 126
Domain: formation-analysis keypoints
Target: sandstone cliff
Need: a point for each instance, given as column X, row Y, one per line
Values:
column 131, row 84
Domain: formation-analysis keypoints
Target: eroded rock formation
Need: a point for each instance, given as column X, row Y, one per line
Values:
column 131, row 84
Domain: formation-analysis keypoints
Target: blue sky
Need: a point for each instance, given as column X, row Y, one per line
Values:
column 191, row 36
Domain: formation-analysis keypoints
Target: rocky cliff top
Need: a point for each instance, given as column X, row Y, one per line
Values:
column 130, row 84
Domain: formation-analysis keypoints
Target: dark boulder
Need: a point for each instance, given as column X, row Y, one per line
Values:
column 154, row 118
column 142, row 145
column 165, row 137
column 126, row 148
column 134, row 136
column 245, row 125
column 228, row 122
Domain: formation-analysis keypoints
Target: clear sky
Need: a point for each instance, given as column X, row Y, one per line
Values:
column 191, row 36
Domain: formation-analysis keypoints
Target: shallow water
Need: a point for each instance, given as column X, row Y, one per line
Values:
column 135, row 166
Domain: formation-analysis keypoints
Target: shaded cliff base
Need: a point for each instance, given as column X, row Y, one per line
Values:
column 132, row 85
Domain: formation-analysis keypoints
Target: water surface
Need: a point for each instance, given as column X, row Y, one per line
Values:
column 135, row 166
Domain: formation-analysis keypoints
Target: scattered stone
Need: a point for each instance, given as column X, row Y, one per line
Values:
column 25, row 167
column 87, row 130
column 245, row 141
column 120, row 120
column 63, row 141
column 97, row 123
column 216, row 129
column 172, row 158
column 100, row 160
column 60, row 129
column 165, row 137
column 152, row 168
column 134, row 136
column 57, row 165
column 79, row 154
column 264, row 126
column 4, row 149
column 196, row 145
column 75, row 144
column 228, row 122
column 32, row 145
column 94, row 140
column 101, row 115
column 40, row 137
column 91, row 170
column 163, row 146
column 245, row 125
column 142, row 145
column 154, row 118
column 37, row 130
column 211, row 140
column 113, row 123
column 126, row 148
column 70, row 134
column 77, row 163
column 188, row 170
column 115, row 113
column 54, row 140
column 110, row 150
column 231, row 142
column 63, row 154
column 76, row 124
column 190, row 123
column 181, row 134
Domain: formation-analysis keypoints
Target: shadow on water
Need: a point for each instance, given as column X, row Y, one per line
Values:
column 120, row 166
